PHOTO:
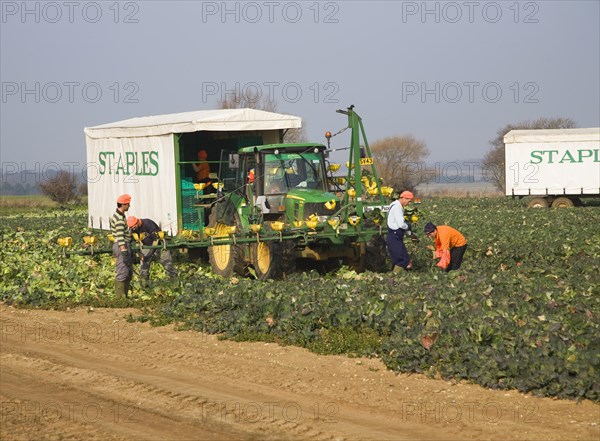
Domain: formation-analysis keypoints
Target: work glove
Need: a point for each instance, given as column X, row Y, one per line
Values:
column 444, row 260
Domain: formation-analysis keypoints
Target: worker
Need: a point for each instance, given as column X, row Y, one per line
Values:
column 121, row 247
column 275, row 187
column 397, row 228
column 150, row 230
column 202, row 168
column 450, row 245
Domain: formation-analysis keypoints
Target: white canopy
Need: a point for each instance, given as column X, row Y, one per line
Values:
column 199, row 120
column 552, row 135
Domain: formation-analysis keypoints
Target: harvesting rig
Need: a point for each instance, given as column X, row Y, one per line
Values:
column 275, row 206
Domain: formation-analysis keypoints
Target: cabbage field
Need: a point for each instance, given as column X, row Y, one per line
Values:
column 522, row 313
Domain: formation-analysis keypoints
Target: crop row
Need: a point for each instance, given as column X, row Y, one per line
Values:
column 522, row 313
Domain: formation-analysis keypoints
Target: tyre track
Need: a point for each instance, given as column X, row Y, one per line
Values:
column 194, row 386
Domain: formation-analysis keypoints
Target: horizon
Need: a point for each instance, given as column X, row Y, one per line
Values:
column 448, row 73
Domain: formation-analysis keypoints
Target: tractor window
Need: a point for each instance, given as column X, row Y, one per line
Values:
column 292, row 170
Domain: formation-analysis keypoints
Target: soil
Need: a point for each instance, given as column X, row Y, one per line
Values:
column 89, row 374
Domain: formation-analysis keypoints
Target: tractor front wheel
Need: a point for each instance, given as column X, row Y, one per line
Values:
column 273, row 260
column 227, row 259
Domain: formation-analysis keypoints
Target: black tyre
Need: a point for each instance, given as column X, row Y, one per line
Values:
column 273, row 260
column 359, row 262
column 329, row 266
column 376, row 255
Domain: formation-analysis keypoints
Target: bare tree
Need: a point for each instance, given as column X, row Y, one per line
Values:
column 62, row 188
column 251, row 100
column 493, row 161
column 82, row 189
column 248, row 100
column 295, row 135
column 399, row 161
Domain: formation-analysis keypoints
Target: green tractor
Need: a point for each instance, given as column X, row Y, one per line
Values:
column 279, row 206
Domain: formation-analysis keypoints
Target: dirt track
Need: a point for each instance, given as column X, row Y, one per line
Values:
column 91, row 375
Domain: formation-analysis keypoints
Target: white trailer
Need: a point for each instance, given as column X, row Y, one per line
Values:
column 151, row 159
column 555, row 167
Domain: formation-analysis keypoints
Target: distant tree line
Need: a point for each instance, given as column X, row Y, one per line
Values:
column 63, row 188
column 399, row 160
column 18, row 189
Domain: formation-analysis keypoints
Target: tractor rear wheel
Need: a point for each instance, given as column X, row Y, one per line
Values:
column 376, row 258
column 329, row 266
column 228, row 259
column 359, row 262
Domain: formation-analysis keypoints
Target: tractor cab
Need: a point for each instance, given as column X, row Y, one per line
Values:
column 284, row 181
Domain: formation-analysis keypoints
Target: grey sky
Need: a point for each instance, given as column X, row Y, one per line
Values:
column 449, row 73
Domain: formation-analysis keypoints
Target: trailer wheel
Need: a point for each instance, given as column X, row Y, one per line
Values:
column 273, row 260
column 225, row 260
column 562, row 202
column 538, row 203
column 376, row 259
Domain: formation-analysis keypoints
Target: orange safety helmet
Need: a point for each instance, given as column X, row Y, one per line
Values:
column 124, row 199
column 407, row 194
column 133, row 222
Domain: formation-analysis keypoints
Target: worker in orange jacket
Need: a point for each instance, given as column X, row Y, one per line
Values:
column 202, row 168
column 450, row 245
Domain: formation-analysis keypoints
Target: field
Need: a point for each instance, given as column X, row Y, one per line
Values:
column 18, row 204
column 510, row 342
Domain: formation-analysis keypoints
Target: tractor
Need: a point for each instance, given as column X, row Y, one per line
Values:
column 286, row 199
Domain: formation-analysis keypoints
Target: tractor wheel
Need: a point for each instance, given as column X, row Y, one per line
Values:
column 538, row 203
column 376, row 258
column 225, row 260
column 562, row 202
column 273, row 260
column 329, row 266
column 359, row 262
